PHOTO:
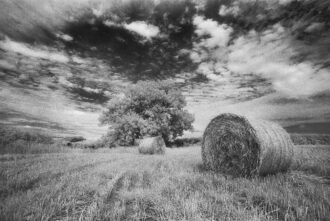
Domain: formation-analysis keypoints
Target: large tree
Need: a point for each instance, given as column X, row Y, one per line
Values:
column 147, row 108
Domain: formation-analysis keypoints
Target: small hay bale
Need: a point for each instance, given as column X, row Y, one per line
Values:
column 235, row 145
column 152, row 145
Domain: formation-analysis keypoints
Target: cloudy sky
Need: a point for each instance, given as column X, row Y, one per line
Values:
column 61, row 61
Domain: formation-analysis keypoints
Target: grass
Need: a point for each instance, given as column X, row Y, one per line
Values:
column 10, row 134
column 23, row 147
column 120, row 184
column 14, row 141
column 313, row 160
column 310, row 139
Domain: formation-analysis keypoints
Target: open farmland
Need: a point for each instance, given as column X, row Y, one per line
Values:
column 120, row 184
column 188, row 110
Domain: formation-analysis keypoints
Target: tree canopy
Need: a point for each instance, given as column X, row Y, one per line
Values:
column 148, row 108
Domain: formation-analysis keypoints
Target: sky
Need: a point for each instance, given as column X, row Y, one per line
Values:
column 62, row 61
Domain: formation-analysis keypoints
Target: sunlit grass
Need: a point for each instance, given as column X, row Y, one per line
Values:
column 313, row 159
column 120, row 184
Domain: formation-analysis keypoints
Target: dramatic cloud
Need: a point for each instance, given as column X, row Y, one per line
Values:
column 142, row 28
column 240, row 61
column 23, row 49
column 219, row 35
column 51, row 107
column 212, row 37
column 268, row 55
column 229, row 10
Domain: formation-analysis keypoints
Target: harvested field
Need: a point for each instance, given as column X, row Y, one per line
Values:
column 310, row 139
column 121, row 184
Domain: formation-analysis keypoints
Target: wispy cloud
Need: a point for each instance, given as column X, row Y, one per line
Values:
column 23, row 49
column 268, row 55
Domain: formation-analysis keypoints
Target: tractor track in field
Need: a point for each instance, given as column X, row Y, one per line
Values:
column 110, row 196
column 45, row 178
column 109, row 193
column 117, row 184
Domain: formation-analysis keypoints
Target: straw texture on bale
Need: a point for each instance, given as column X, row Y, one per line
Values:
column 234, row 145
column 152, row 145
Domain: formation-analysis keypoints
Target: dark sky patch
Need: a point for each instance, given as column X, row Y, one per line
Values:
column 83, row 95
column 83, row 90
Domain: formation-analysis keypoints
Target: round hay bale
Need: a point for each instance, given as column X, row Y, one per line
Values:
column 235, row 145
column 152, row 145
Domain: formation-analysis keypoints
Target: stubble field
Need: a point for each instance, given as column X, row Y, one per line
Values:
column 121, row 184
